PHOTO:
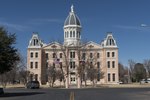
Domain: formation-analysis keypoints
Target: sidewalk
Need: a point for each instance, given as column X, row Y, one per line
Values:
column 132, row 85
column 14, row 86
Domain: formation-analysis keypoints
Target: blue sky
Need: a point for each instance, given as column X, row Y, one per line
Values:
column 122, row 17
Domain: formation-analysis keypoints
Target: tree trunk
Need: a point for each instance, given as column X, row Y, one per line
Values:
column 85, row 83
column 67, row 82
column 79, row 83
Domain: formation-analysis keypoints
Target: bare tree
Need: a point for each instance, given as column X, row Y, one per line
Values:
column 131, row 68
column 147, row 66
column 51, row 75
column 23, row 73
column 55, row 71
column 66, row 64
column 123, row 73
column 60, row 76
column 87, row 68
column 4, row 79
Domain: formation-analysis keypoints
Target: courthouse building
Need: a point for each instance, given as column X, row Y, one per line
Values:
column 68, row 55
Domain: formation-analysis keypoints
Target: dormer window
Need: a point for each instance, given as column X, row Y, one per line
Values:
column 110, row 42
column 35, row 41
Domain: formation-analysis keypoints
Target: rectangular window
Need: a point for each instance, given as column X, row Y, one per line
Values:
column 72, row 65
column 60, row 55
column 36, row 64
column 108, row 77
column 98, row 77
column 98, row 55
column 31, row 77
column 36, row 77
column 113, row 64
column 36, row 55
column 113, row 54
column 72, row 54
column 91, row 55
column 60, row 65
column 54, row 55
column 98, row 64
column 108, row 64
column 91, row 64
column 108, row 54
column 46, row 65
column 31, row 65
column 46, row 55
column 31, row 54
column 113, row 76
column 53, row 64
column 83, row 56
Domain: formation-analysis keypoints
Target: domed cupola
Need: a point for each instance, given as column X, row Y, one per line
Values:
column 72, row 19
column 72, row 29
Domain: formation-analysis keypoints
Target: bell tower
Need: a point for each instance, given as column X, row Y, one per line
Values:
column 72, row 29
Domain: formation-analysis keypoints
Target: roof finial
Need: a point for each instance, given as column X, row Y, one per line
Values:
column 72, row 8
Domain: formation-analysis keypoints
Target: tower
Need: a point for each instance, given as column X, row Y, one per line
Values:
column 72, row 29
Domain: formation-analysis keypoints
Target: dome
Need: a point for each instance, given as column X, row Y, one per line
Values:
column 72, row 19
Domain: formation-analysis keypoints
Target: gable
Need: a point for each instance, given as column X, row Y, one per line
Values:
column 53, row 45
column 92, row 45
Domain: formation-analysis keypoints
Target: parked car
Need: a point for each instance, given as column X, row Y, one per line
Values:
column 148, row 80
column 33, row 85
column 143, row 81
column 1, row 91
column 120, row 82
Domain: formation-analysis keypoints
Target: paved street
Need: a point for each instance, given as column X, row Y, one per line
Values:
column 77, row 94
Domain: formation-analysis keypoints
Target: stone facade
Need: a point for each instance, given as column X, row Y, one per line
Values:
column 73, row 54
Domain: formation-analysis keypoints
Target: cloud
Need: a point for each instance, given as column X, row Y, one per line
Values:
column 14, row 26
column 140, row 27
column 40, row 21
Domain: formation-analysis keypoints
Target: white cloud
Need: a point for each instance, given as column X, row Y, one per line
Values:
column 14, row 26
column 140, row 27
column 143, row 25
column 40, row 21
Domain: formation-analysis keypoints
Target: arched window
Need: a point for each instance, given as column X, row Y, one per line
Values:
column 73, row 33
column 67, row 35
column 70, row 33
column 77, row 34
column 110, row 41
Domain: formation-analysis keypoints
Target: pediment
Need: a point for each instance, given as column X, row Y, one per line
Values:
column 53, row 45
column 92, row 45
